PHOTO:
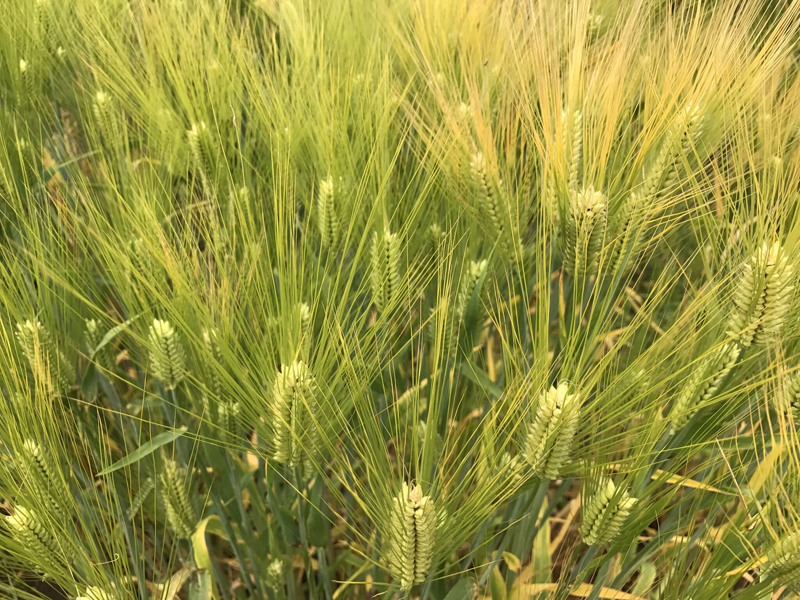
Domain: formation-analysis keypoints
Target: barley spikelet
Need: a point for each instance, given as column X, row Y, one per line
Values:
column 295, row 441
column 181, row 515
column 40, row 478
column 304, row 312
column 626, row 234
column 144, row 491
column 275, row 574
column 489, row 199
column 703, row 383
column 783, row 563
column 92, row 339
column 792, row 396
column 469, row 282
column 604, row 514
column 96, row 593
column 327, row 220
column 211, row 345
column 572, row 123
column 549, row 438
column 199, row 141
column 585, row 232
column 681, row 137
column 229, row 414
column 411, row 535
column 40, row 350
column 166, row 353
column 762, row 296
column 105, row 114
column 27, row 528
column 385, row 277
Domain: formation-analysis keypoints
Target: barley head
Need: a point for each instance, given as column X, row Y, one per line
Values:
column 762, row 296
column 181, row 515
column 295, row 441
column 385, row 277
column 585, row 232
column 40, row 478
column 549, row 439
column 469, row 282
column 166, row 353
column 28, row 529
column 489, row 199
column 412, row 529
column 40, row 350
column 327, row 219
column 703, row 383
column 211, row 345
column 604, row 513
column 783, row 563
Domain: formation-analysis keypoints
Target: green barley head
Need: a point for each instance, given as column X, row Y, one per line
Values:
column 702, row 384
column 783, row 563
column 585, row 232
column 475, row 271
column 166, row 353
column 181, row 515
column 385, row 276
column 39, row 348
column 327, row 219
column 40, row 478
column 296, row 439
column 762, row 296
column 604, row 513
column 792, row 395
column 211, row 344
column 489, row 198
column 552, row 430
column 30, row 532
column 412, row 529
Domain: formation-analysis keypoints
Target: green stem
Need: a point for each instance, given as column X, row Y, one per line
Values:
column 312, row 591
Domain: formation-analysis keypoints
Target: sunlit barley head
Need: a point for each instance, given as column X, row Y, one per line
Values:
column 411, row 536
column 167, row 356
column 762, row 296
column 550, row 435
column 604, row 513
column 295, row 437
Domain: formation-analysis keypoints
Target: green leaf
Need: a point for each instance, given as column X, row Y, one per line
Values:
column 465, row 589
column 111, row 334
column 647, row 575
column 89, row 382
column 145, row 449
column 317, row 526
column 201, row 588
column 480, row 377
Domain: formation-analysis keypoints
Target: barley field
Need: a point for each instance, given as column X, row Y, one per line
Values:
column 399, row 299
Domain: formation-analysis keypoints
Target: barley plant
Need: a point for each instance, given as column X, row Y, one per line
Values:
column 430, row 299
